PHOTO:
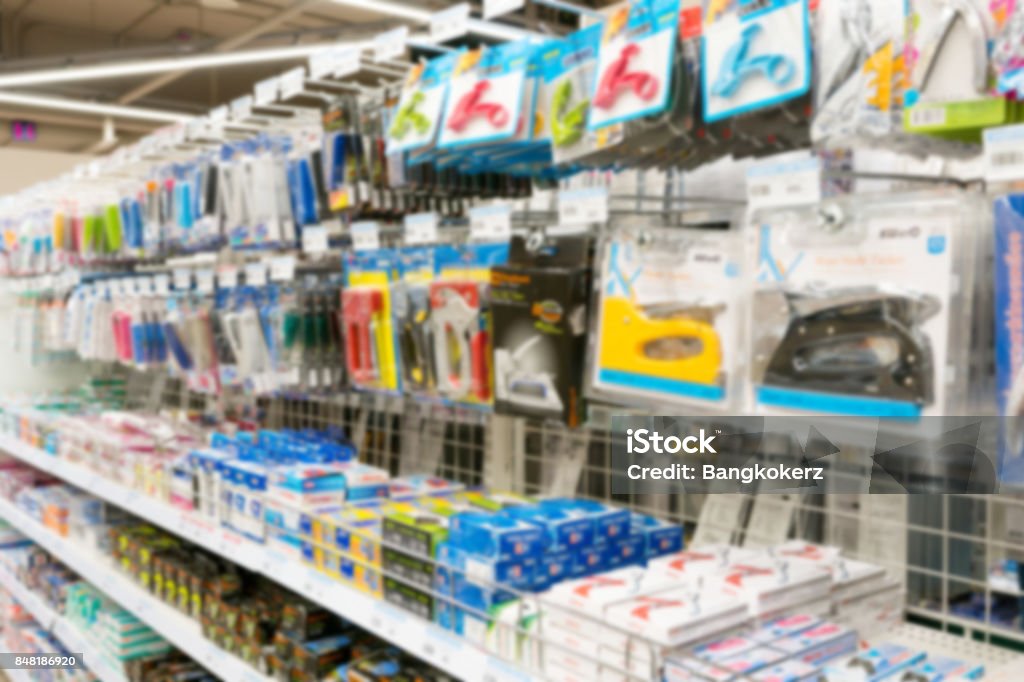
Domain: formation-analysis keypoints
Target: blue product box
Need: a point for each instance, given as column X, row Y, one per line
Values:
column 886, row 659
column 495, row 535
column 553, row 567
column 819, row 644
column 590, row 560
column 630, row 550
column 476, row 596
column 517, row 572
column 609, row 522
column 941, row 669
column 562, row 529
column 444, row 614
column 660, row 537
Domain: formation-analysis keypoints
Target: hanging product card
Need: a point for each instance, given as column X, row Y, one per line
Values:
column 568, row 70
column 669, row 316
column 255, row 274
column 421, row 228
column 583, row 206
column 754, row 56
column 484, row 101
column 282, row 268
column 227, row 276
column 204, row 281
column 1004, row 154
column 365, row 235
column 490, row 223
column 314, row 239
column 415, row 120
column 449, row 23
column 390, row 44
column 858, row 306
column 634, row 65
column 182, row 279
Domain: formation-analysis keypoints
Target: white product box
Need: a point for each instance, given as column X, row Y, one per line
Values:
column 784, row 627
column 677, row 617
column 874, row 611
column 751, row 661
column 691, row 565
column 770, row 586
column 692, row 670
column 719, row 650
column 849, row 576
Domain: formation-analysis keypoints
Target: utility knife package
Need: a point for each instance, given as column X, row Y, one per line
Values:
column 370, row 355
column 410, row 307
column 539, row 304
column 859, row 55
column 668, row 317
column 859, row 306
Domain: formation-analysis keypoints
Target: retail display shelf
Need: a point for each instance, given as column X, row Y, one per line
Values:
column 174, row 626
column 68, row 634
column 423, row 639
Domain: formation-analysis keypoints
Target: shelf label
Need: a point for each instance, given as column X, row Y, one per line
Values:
column 421, row 228
column 227, row 276
column 583, row 206
column 182, row 279
column 314, row 239
column 495, row 8
column 282, row 268
column 255, row 274
column 292, row 82
column 784, row 184
column 390, row 44
column 490, row 223
column 265, row 91
column 365, row 235
column 450, row 23
column 204, row 281
column 1004, row 153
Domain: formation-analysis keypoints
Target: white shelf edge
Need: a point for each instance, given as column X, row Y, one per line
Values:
column 423, row 639
column 59, row 627
column 175, row 627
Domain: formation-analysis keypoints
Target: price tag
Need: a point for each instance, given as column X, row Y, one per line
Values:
column 450, row 23
column 282, row 268
column 346, row 62
column 292, row 82
column 490, row 223
column 1004, row 153
column 583, row 206
column 784, row 184
column 161, row 285
column 219, row 114
column 495, row 8
column 314, row 239
column 255, row 274
column 204, row 281
column 390, row 44
column 227, row 276
column 265, row 91
column 365, row 235
column 421, row 228
column 182, row 279
column 241, row 108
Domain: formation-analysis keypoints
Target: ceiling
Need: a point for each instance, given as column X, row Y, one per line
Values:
column 47, row 34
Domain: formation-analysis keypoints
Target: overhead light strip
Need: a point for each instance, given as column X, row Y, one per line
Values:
column 111, row 110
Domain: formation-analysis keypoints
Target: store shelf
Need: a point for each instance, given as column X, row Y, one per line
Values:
column 67, row 633
column 421, row 638
column 181, row 631
column 939, row 643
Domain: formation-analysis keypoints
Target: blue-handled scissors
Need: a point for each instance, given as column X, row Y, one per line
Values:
column 737, row 65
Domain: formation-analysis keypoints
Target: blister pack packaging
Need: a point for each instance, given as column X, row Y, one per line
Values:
column 370, row 354
column 461, row 321
column 410, row 307
column 416, row 119
column 859, row 306
column 860, row 57
column 1009, row 329
column 668, row 317
column 539, row 305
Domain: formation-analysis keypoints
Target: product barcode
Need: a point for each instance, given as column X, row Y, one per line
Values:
column 1007, row 158
column 924, row 117
column 759, row 190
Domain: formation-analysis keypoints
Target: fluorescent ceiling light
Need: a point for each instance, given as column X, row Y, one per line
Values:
column 112, row 110
column 149, row 66
column 487, row 29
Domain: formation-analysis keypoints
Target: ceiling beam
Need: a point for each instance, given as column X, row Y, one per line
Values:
column 231, row 43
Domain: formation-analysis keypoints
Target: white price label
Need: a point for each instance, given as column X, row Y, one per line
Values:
column 282, row 268
column 390, row 44
column 265, row 91
column 241, row 108
column 227, row 276
column 583, row 206
column 421, row 228
column 255, row 274
column 161, row 285
column 204, row 281
column 182, row 279
column 495, row 8
column 450, row 23
column 928, row 116
column 1004, row 153
column 784, row 184
column 365, row 235
column 490, row 223
column 292, row 82
column 314, row 239
column 346, row 62
column 220, row 113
